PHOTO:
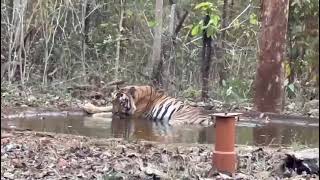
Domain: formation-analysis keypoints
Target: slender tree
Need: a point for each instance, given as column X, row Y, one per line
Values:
column 206, row 60
column 156, row 62
column 119, row 39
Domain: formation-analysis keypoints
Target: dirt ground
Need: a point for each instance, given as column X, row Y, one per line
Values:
column 39, row 155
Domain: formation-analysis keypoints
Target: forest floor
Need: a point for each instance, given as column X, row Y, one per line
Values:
column 41, row 155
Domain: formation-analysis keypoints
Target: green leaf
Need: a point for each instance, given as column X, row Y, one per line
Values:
column 215, row 20
column 253, row 19
column 287, row 69
column 229, row 91
column 152, row 24
column 204, row 6
column 210, row 31
column 195, row 30
column 291, row 87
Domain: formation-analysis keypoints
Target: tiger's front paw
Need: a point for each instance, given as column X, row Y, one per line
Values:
column 89, row 108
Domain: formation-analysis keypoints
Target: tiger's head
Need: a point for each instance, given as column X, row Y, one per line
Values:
column 123, row 102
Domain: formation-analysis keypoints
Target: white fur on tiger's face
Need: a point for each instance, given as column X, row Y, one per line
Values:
column 155, row 105
column 123, row 105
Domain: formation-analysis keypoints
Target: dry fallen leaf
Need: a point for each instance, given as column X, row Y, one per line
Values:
column 18, row 163
column 44, row 141
column 62, row 163
column 5, row 141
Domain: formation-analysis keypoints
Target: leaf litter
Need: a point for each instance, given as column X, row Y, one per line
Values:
column 39, row 155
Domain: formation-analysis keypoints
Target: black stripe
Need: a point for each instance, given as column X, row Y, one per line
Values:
column 149, row 114
column 174, row 110
column 154, row 107
column 165, row 111
column 181, row 106
column 152, row 110
column 172, row 113
column 160, row 108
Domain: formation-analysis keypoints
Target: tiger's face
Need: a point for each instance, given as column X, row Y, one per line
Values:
column 123, row 103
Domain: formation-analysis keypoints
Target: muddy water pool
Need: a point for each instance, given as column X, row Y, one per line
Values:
column 248, row 132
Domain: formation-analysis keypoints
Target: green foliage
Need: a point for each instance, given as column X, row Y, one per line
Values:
column 152, row 24
column 304, row 50
column 240, row 51
column 291, row 88
column 253, row 19
column 191, row 92
column 207, row 8
column 235, row 89
column 196, row 29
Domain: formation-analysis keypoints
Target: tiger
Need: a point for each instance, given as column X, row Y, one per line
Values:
column 147, row 102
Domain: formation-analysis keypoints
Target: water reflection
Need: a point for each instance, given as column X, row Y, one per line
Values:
column 279, row 134
column 247, row 132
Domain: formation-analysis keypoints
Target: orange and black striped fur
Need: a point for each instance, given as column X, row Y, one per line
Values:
column 146, row 101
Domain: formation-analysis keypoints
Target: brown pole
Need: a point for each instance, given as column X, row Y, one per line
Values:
column 224, row 156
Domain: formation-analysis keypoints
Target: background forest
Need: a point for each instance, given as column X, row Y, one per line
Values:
column 52, row 45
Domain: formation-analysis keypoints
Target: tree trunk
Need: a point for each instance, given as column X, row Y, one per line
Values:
column 84, row 36
column 269, row 89
column 119, row 40
column 16, row 40
column 290, row 46
column 169, row 53
column 222, row 64
column 206, row 61
column 156, row 62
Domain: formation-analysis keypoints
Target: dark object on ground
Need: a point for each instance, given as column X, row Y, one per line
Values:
column 303, row 161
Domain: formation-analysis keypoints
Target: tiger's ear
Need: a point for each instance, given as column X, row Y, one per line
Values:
column 132, row 91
